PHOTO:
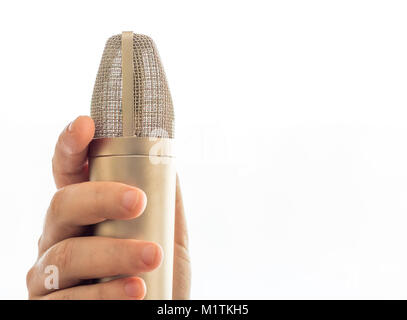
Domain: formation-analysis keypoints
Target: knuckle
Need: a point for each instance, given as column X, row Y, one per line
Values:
column 98, row 197
column 61, row 254
column 182, row 252
column 185, row 240
column 54, row 166
column 56, row 201
column 182, row 239
column 29, row 277
column 98, row 193
column 39, row 240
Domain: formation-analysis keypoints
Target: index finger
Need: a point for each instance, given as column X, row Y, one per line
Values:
column 70, row 160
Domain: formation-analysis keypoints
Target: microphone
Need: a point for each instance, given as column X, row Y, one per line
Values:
column 133, row 144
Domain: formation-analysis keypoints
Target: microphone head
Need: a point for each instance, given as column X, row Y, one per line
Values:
column 131, row 95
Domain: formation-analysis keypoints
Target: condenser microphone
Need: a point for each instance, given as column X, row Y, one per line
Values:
column 133, row 144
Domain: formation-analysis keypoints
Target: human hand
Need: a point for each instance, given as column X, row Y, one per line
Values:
column 66, row 242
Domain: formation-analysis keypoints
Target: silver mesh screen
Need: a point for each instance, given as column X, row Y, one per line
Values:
column 154, row 114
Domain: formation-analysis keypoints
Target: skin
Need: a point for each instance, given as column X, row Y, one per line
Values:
column 66, row 242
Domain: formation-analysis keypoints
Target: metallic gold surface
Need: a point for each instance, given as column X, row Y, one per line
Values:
column 156, row 224
column 132, row 146
column 134, row 128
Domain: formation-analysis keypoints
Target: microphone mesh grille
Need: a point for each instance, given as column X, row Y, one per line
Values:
column 153, row 110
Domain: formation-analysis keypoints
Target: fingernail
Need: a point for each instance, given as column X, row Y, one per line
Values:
column 70, row 127
column 148, row 255
column 130, row 199
column 69, row 141
column 133, row 288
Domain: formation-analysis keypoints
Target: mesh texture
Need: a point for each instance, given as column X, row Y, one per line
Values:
column 154, row 114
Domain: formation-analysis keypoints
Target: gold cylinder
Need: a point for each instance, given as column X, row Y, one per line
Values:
column 147, row 164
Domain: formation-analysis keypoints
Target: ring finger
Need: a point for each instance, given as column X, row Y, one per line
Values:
column 77, row 259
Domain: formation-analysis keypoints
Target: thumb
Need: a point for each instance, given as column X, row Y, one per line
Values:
column 182, row 265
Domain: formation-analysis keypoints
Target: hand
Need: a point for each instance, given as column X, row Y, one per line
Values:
column 66, row 242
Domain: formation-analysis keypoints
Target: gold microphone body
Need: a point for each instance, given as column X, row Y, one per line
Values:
column 133, row 144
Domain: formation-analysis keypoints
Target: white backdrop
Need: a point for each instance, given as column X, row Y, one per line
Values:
column 291, row 135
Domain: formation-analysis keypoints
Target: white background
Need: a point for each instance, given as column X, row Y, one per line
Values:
column 291, row 135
